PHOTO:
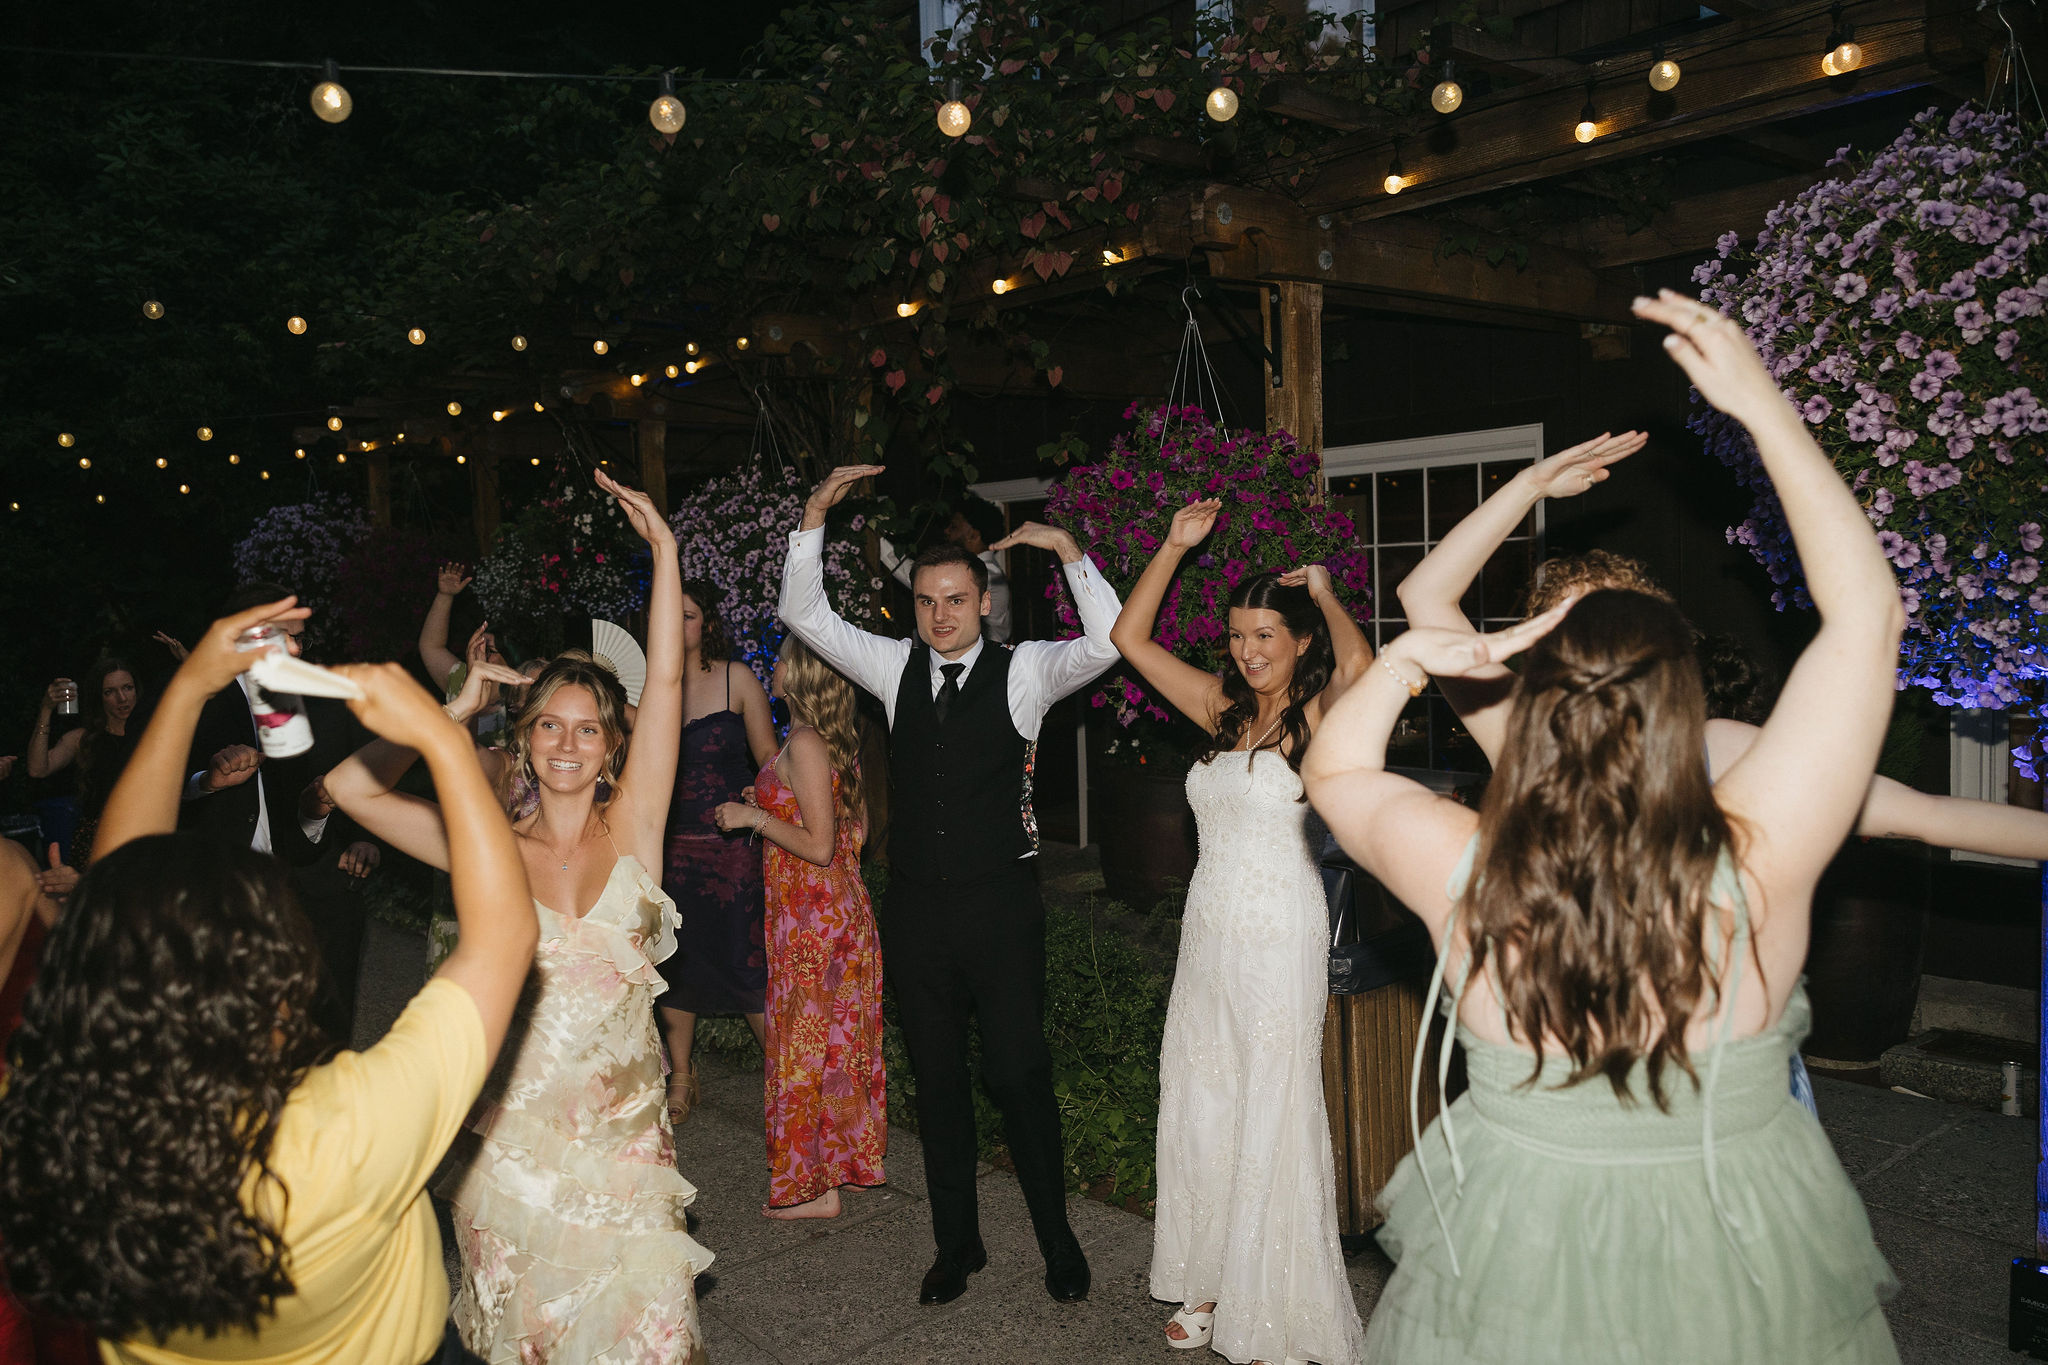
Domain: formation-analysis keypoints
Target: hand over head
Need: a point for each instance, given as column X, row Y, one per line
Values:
column 1571, row 472
column 1314, row 577
column 214, row 662
column 173, row 644
column 833, row 488
column 639, row 510
column 1455, row 653
column 399, row 709
column 1192, row 522
column 1715, row 355
column 476, row 688
column 1044, row 537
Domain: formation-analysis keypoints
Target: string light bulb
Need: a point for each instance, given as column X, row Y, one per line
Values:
column 66, row 439
column 162, row 463
column 234, row 459
column 690, row 367
column 536, row 460
column 454, row 409
column 1397, row 178
column 152, row 310
column 334, row 422
column 1221, row 103
column 263, row 474
column 1664, row 72
column 184, row 488
column 739, row 343
column 539, row 406
column 205, row 433
column 518, row 342
column 14, row 507
column 296, row 325
column 341, row 457
column 600, row 345
column 1000, row 287
column 99, row 498
column 667, row 113
column 1844, row 53
column 1448, row 94
column 416, row 335
column 331, row 101
column 905, row 309
column 299, row 453
column 498, row 415
column 84, row 462
column 689, row 348
column 462, row 459
column 1588, row 126
column 638, row 380
column 672, row 371
column 954, row 116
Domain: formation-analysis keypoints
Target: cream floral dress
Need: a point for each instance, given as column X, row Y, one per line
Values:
column 568, row 1206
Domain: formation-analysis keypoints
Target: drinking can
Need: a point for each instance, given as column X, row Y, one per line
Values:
column 67, row 700
column 281, row 724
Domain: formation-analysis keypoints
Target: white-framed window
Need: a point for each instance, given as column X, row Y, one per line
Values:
column 1980, row 767
column 1404, row 497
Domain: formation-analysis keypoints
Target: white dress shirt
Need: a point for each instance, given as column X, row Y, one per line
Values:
column 195, row 788
column 997, row 623
column 1041, row 671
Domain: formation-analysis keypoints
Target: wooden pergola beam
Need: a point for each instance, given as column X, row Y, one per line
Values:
column 1690, row 226
column 1742, row 81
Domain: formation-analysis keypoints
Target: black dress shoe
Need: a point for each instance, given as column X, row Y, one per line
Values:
column 1066, row 1277
column 947, row 1279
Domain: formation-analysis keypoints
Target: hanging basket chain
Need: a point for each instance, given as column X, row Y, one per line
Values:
column 1192, row 372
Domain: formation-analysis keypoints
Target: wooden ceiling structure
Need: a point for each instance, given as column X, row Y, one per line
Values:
column 1754, row 119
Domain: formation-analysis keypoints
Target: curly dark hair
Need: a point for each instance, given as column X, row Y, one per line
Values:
column 1738, row 687
column 172, row 1015
column 714, row 644
column 1301, row 616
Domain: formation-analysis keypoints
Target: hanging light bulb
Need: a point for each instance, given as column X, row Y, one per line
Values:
column 667, row 112
column 462, row 459
column 299, row 453
column 1664, row 72
column 341, row 457
column 1000, row 287
column 954, row 116
column 184, row 488
column 689, row 348
column 498, row 415
column 690, row 367
column 600, row 345
column 672, row 371
column 638, row 380
column 205, row 433
column 84, row 462
column 739, row 343
column 332, row 103
column 296, row 325
column 1397, row 178
column 99, row 497
column 334, row 422
column 1221, row 104
column 1588, row 126
column 1844, row 53
column 162, row 463
column 536, row 459
column 905, row 309
column 416, row 335
column 1448, row 94
column 152, row 310
column 539, row 406
column 14, row 507
column 454, row 409
column 234, row 459
column 263, row 474
column 518, row 342
column 66, row 439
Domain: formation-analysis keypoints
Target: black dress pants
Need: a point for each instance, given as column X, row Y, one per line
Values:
column 956, row 950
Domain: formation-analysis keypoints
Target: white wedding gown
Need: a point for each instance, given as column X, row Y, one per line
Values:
column 1247, row 1213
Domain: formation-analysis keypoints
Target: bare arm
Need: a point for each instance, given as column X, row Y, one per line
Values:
column 146, row 798
column 809, row 774
column 1433, row 589
column 650, row 772
column 1193, row 693
column 755, row 713
column 44, row 757
column 1347, row 641
column 1893, row 810
column 434, row 651
column 1799, row 788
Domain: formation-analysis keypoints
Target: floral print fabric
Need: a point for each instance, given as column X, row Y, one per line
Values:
column 826, row 1094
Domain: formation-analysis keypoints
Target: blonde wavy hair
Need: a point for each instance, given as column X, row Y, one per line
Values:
column 821, row 698
column 1557, row 579
column 571, row 668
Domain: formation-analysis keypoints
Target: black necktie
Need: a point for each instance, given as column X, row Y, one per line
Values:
column 948, row 690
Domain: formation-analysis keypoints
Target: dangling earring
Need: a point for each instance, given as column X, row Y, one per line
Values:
column 604, row 790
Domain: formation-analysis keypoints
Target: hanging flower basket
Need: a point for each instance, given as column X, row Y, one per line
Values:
column 302, row 546
column 571, row 554
column 1119, row 510
column 1904, row 308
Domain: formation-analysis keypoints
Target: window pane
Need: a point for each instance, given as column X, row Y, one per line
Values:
column 1400, row 497
column 1453, row 493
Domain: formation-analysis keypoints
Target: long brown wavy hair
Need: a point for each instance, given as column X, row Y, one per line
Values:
column 821, row 698
column 570, row 668
column 1302, row 619
column 1598, row 844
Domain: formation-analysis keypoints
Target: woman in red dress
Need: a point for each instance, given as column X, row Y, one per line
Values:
column 827, row 1107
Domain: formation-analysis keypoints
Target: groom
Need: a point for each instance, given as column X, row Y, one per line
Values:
column 963, row 930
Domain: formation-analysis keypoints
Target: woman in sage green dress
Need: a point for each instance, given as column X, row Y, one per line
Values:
column 1628, row 1176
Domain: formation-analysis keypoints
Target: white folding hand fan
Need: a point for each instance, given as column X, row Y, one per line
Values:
column 621, row 653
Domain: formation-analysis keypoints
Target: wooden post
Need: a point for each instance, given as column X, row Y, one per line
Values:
column 652, row 444
column 1294, row 396
column 483, row 498
column 379, row 463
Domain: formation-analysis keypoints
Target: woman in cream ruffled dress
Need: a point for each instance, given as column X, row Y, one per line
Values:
column 569, row 1211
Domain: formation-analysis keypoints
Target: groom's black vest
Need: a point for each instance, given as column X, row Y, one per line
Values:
column 959, row 792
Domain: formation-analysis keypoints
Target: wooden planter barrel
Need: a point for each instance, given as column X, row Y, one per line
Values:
column 1147, row 832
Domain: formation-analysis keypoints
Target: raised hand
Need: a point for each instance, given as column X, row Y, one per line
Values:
column 399, row 709
column 832, row 490
column 1571, row 472
column 231, row 767
column 58, row 692
column 213, row 663
column 479, row 647
column 639, row 510
column 1314, row 577
column 1456, row 653
column 451, row 579
column 476, row 684
column 1044, row 537
column 1714, row 354
column 173, row 644
column 1192, row 522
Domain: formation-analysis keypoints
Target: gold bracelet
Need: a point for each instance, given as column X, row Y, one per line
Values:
column 1414, row 688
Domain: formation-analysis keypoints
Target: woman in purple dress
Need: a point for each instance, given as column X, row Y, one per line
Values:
column 720, row 965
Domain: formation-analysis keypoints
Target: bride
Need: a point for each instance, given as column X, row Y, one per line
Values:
column 1246, row 1237
column 568, row 1208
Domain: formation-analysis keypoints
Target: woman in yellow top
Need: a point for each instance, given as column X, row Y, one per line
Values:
column 178, row 1167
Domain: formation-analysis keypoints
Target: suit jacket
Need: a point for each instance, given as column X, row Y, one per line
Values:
column 230, row 813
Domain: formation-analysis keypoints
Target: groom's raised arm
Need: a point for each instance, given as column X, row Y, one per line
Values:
column 1065, row 666
column 875, row 662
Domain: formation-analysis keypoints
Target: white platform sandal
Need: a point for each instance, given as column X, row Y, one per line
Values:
column 1198, row 1326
